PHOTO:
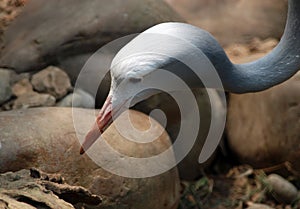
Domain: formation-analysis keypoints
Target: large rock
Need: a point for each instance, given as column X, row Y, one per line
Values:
column 47, row 32
column 234, row 20
column 45, row 138
column 263, row 128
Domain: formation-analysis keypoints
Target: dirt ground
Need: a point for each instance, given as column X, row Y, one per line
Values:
column 227, row 184
column 240, row 187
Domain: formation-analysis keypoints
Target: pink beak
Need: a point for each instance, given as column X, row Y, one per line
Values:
column 103, row 120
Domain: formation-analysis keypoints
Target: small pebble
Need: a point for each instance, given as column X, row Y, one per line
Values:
column 281, row 189
column 258, row 206
column 79, row 98
column 23, row 86
column 34, row 99
column 52, row 80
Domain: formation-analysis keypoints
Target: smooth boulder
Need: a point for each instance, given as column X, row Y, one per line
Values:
column 47, row 32
column 53, row 81
column 281, row 189
column 263, row 128
column 45, row 138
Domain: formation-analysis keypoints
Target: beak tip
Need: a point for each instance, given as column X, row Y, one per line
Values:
column 82, row 151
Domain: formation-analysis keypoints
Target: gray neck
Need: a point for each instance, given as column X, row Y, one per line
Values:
column 276, row 67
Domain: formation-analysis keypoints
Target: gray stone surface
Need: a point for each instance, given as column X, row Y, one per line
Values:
column 281, row 189
column 5, row 85
column 49, row 31
column 78, row 98
column 263, row 128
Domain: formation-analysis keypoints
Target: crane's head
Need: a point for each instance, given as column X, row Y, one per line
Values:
column 127, row 89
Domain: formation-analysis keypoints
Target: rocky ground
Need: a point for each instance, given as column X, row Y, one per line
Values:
column 226, row 185
column 49, row 87
column 241, row 187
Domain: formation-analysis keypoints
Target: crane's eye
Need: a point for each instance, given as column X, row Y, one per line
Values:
column 134, row 79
